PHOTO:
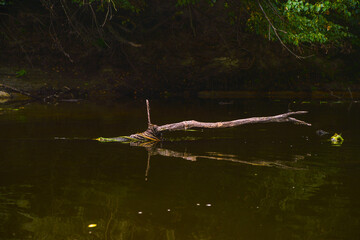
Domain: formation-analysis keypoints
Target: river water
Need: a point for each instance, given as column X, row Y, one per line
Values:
column 266, row 181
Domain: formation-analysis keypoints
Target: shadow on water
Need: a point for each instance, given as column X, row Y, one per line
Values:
column 270, row 181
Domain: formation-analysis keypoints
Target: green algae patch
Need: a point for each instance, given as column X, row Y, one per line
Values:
column 123, row 139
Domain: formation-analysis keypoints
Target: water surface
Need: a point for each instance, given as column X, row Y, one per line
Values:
column 267, row 181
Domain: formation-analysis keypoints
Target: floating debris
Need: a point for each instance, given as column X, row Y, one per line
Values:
column 336, row 139
column 321, row 132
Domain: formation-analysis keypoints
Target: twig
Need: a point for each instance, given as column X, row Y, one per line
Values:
column 147, row 167
column 96, row 24
column 107, row 226
column 191, row 21
column 352, row 100
column 57, row 41
column 121, row 39
column 350, row 94
column 68, row 17
column 275, row 10
column 332, row 94
column 148, row 112
column 106, row 16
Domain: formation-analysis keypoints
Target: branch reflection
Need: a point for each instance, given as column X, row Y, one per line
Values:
column 155, row 148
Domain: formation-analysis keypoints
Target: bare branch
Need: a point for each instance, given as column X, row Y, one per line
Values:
column 154, row 132
column 106, row 16
column 121, row 39
column 191, row 21
column 184, row 125
column 275, row 10
column 97, row 25
column 148, row 112
column 350, row 93
column 147, row 167
column 17, row 91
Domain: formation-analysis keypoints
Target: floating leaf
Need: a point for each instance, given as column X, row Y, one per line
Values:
column 336, row 139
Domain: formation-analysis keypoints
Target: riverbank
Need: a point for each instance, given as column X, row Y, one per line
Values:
column 112, row 84
column 280, row 77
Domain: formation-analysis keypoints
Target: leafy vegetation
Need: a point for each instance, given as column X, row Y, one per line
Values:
column 326, row 23
column 312, row 23
column 21, row 73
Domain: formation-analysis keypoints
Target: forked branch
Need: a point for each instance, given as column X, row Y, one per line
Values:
column 154, row 132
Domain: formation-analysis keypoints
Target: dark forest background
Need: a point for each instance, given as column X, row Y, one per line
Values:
column 186, row 45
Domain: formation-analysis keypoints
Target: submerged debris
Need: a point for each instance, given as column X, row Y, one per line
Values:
column 4, row 95
column 321, row 132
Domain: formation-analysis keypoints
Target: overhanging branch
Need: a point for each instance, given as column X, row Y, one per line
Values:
column 277, row 35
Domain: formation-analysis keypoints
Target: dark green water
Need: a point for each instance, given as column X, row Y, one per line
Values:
column 269, row 181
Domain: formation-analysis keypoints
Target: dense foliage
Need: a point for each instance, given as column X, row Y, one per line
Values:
column 295, row 22
column 327, row 23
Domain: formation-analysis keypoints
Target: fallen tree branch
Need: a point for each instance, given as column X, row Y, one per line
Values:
column 18, row 91
column 195, row 124
column 154, row 132
column 53, row 94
